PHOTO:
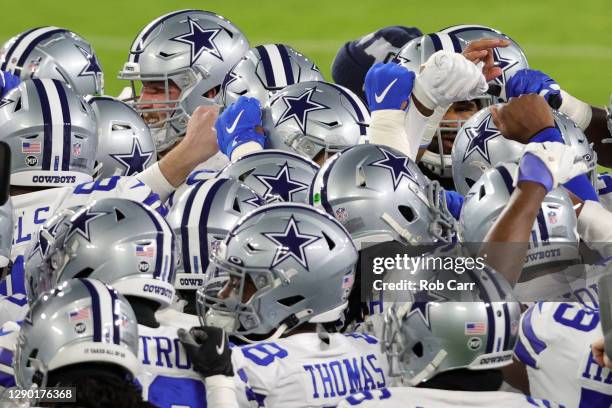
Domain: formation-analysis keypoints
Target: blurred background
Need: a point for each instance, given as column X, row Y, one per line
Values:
column 569, row 40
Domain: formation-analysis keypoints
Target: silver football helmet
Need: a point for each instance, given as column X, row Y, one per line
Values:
column 202, row 218
column 6, row 232
column 266, row 69
column 442, row 330
column 125, row 145
column 54, row 53
column 311, row 118
column 380, row 195
column 274, row 175
column 510, row 59
column 51, row 132
column 80, row 321
column 288, row 264
column 479, row 146
column 194, row 50
column 553, row 233
column 121, row 242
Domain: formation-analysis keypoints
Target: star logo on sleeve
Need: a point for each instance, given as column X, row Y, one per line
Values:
column 200, row 40
column 291, row 244
column 280, row 186
column 135, row 161
column 479, row 139
column 80, row 223
column 422, row 301
column 93, row 66
column 505, row 64
column 299, row 107
column 4, row 102
column 397, row 166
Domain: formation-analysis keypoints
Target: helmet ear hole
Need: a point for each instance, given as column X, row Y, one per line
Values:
column 470, row 182
column 407, row 212
column 417, row 349
column 31, row 357
column 290, row 301
column 18, row 105
column 84, row 273
column 331, row 244
column 482, row 192
column 236, row 205
column 119, row 215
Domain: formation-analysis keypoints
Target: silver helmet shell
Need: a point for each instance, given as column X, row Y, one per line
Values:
column 275, row 175
column 80, row 321
column 51, row 132
column 120, row 242
column 266, row 69
column 300, row 261
column 443, row 330
column 554, row 232
column 54, row 53
column 311, row 118
column 6, row 232
column 380, row 195
column 201, row 219
column 479, row 145
column 194, row 50
column 125, row 144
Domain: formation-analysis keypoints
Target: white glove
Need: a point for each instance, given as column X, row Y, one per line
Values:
column 448, row 77
column 563, row 163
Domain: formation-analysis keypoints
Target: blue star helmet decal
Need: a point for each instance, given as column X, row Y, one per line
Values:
column 505, row 64
column 291, row 244
column 479, row 138
column 255, row 201
column 135, row 161
column 80, row 223
column 93, row 66
column 281, row 185
column 42, row 244
column 397, row 166
column 299, row 107
column 422, row 302
column 200, row 40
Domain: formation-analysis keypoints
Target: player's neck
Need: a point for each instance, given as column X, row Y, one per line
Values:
column 466, row 380
column 144, row 309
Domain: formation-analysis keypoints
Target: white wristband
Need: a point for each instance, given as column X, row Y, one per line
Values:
column 154, row 178
column 246, row 148
column 595, row 227
column 578, row 111
column 387, row 128
column 220, row 392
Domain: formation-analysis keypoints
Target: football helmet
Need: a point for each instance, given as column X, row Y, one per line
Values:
column 125, row 145
column 54, row 53
column 442, row 330
column 315, row 117
column 554, row 229
column 194, row 50
column 288, row 264
column 379, row 195
column 80, row 321
column 121, row 242
column 274, row 175
column 51, row 132
column 6, row 233
column 266, row 69
column 479, row 146
column 510, row 59
column 201, row 219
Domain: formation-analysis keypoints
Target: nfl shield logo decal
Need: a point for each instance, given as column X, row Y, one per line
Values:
column 552, row 217
column 76, row 148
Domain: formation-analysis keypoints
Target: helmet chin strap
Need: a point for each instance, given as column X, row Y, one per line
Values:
column 429, row 369
column 282, row 329
column 403, row 232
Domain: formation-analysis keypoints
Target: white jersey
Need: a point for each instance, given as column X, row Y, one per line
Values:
column 303, row 370
column 408, row 397
column 166, row 374
column 33, row 209
column 9, row 333
column 555, row 344
column 604, row 190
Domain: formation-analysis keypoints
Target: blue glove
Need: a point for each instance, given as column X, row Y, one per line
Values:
column 236, row 125
column 454, row 203
column 8, row 81
column 388, row 85
column 530, row 81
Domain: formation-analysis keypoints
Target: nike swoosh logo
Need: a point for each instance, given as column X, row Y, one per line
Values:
column 233, row 127
column 222, row 346
column 381, row 97
column 4, row 333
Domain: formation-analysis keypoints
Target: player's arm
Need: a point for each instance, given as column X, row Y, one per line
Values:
column 198, row 145
column 592, row 120
column 209, row 351
column 543, row 167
